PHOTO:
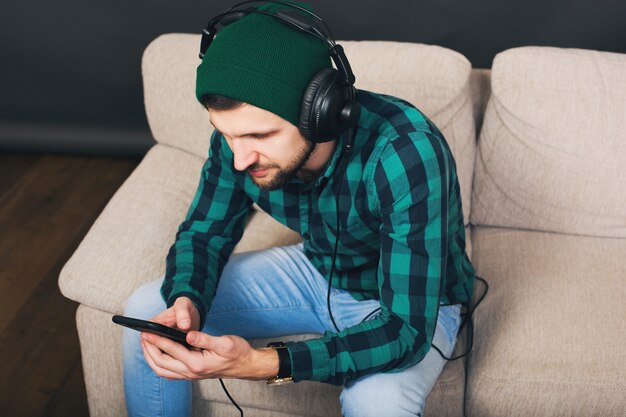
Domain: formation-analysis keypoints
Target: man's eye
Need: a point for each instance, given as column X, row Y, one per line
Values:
column 258, row 136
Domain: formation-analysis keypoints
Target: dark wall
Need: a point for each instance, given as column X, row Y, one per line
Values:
column 71, row 67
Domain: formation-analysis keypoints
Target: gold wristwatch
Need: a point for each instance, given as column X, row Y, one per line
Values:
column 284, row 365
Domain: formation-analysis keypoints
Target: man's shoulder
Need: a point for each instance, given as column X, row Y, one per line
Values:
column 391, row 116
column 392, row 123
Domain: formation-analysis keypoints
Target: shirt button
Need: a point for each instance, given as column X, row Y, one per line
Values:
column 306, row 236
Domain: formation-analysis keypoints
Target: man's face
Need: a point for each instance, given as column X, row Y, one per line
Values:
column 269, row 148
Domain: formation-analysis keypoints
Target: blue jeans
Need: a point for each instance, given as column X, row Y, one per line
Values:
column 274, row 293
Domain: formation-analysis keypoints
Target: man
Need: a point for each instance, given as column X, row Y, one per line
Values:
column 400, row 274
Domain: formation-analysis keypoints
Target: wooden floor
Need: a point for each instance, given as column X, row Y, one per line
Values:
column 47, row 205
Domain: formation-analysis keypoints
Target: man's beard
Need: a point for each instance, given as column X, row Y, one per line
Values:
column 284, row 175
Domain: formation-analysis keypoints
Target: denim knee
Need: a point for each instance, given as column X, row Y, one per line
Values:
column 370, row 398
column 146, row 301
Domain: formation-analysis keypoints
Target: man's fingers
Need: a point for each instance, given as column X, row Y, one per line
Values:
column 170, row 355
column 183, row 318
column 150, row 352
column 172, row 348
column 166, row 317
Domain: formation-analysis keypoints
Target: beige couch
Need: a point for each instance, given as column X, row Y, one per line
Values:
column 544, row 193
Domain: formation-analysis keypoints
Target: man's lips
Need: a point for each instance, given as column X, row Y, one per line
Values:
column 258, row 172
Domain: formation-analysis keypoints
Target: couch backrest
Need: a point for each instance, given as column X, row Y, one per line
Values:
column 552, row 150
column 175, row 117
column 433, row 78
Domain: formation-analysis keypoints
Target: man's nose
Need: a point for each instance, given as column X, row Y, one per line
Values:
column 244, row 153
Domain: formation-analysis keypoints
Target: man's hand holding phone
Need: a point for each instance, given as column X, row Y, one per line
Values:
column 209, row 357
column 173, row 323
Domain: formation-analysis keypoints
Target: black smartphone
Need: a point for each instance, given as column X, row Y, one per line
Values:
column 154, row 328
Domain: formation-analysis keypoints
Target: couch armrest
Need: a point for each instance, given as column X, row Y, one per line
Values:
column 127, row 244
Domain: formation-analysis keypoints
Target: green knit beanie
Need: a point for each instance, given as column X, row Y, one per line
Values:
column 263, row 62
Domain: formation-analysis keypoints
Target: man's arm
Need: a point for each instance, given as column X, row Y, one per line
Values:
column 205, row 240
column 410, row 185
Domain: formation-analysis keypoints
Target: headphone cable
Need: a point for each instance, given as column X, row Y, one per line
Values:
column 343, row 166
column 468, row 319
column 232, row 400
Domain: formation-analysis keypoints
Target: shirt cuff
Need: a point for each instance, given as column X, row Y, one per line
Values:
column 309, row 360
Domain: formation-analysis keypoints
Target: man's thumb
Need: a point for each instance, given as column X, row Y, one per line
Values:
column 221, row 345
column 199, row 339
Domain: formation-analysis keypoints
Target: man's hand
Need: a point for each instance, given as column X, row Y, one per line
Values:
column 218, row 357
column 182, row 315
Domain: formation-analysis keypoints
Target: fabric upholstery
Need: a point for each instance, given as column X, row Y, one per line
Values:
column 101, row 352
column 552, row 148
column 127, row 244
column 480, row 87
column 175, row 117
column 550, row 335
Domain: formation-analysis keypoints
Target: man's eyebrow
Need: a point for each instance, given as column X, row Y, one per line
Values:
column 264, row 133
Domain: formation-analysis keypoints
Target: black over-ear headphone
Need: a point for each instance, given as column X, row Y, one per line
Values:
column 328, row 105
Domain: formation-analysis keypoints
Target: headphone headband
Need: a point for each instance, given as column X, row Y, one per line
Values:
column 232, row 14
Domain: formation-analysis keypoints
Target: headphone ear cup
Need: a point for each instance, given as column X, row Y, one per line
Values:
column 321, row 106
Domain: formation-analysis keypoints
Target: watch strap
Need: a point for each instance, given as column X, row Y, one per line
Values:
column 284, row 359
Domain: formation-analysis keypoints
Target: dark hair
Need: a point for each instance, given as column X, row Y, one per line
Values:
column 217, row 102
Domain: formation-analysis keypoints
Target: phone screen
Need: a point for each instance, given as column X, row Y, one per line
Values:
column 154, row 328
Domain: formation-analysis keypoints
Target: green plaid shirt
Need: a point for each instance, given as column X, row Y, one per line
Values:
column 402, row 238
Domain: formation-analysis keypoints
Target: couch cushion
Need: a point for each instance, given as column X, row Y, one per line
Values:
column 550, row 335
column 433, row 78
column 552, row 148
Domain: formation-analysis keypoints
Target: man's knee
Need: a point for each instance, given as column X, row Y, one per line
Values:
column 243, row 272
column 146, row 301
column 373, row 397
